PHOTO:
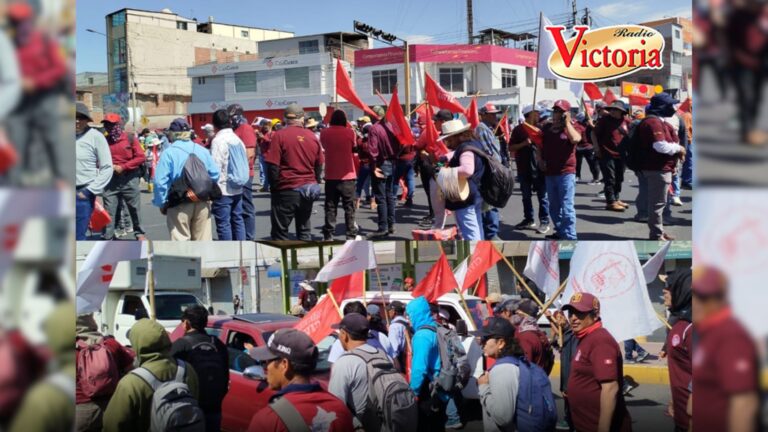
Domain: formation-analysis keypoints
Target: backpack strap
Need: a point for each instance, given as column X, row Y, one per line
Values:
column 290, row 416
column 64, row 383
column 148, row 377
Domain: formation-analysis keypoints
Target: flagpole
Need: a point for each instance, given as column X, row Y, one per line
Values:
column 458, row 288
column 151, row 276
column 664, row 320
column 333, row 300
column 519, row 277
column 552, row 299
column 381, row 290
column 386, row 104
column 477, row 284
column 417, row 107
column 538, row 52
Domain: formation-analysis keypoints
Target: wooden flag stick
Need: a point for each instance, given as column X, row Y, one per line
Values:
column 417, row 107
column 381, row 290
column 477, row 284
column 553, row 298
column 386, row 104
column 663, row 319
column 522, row 281
column 333, row 299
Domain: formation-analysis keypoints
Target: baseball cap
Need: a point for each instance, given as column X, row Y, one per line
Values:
column 179, row 125
column 235, row 109
column 82, row 110
column 290, row 344
column 562, row 104
column 444, row 314
column 709, row 281
column 293, row 111
column 509, row 304
column 373, row 309
column 530, row 108
column 208, row 126
column 583, row 302
column 306, row 285
column 397, row 306
column 19, row 11
column 496, row 327
column 493, row 298
column 111, row 118
column 379, row 111
column 619, row 105
column 489, row 108
column 660, row 99
column 354, row 324
column 443, row 115
column 528, row 307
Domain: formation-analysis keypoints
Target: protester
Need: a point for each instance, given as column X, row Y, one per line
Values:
column 236, row 304
column 679, row 343
column 245, row 132
column 484, row 132
column 725, row 362
column 585, row 149
column 363, row 184
column 558, row 160
column 405, row 171
column 307, row 296
column 230, row 156
column 127, row 158
column 130, row 408
column 338, row 142
column 264, row 135
column 568, row 347
column 187, row 219
column 399, row 331
column 289, row 358
column 499, row 386
column 383, row 147
column 294, row 166
column 210, row 360
column 90, row 402
column 375, row 339
column 424, row 164
column 209, row 133
column 425, row 365
column 453, row 418
column 529, row 335
column 609, row 132
column 93, row 162
column 595, row 381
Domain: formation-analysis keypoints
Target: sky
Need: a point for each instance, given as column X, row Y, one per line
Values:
column 423, row 21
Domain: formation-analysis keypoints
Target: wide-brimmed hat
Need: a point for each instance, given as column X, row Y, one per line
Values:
column 306, row 285
column 81, row 109
column 309, row 124
column 454, row 187
column 452, row 127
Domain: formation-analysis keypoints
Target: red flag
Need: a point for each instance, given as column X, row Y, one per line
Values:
column 592, row 91
column 328, row 113
column 438, row 97
column 347, row 286
column 473, row 118
column 344, row 89
column 504, row 126
column 685, row 106
column 590, row 109
column 439, row 280
column 396, row 121
column 534, row 133
column 482, row 287
column 609, row 97
column 430, row 135
column 482, row 259
column 635, row 100
column 317, row 323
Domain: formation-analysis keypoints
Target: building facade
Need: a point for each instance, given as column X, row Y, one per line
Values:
column 676, row 75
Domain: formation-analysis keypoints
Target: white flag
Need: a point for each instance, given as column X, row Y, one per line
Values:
column 611, row 271
column 546, row 47
column 652, row 266
column 543, row 265
column 94, row 277
column 460, row 272
column 353, row 257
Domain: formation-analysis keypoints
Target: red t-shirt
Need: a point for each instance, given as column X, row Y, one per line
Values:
column 524, row 155
column 609, row 135
column 338, row 142
column 320, row 410
column 649, row 131
column 558, row 152
column 597, row 360
column 725, row 364
column 130, row 156
column 586, row 140
column 264, row 141
column 297, row 152
column 679, row 348
column 247, row 135
column 123, row 358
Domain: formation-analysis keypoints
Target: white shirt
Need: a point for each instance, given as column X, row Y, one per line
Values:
column 220, row 152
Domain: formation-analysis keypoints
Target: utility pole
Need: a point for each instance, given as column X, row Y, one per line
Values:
column 470, row 29
column 407, row 64
column 573, row 13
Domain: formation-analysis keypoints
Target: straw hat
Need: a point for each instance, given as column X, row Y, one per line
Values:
column 310, row 123
column 451, row 128
column 454, row 188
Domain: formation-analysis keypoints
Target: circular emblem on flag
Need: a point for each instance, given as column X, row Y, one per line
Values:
column 675, row 340
column 609, row 275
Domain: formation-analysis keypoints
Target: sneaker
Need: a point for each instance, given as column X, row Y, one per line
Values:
column 391, row 230
column 553, row 236
column 641, row 357
column 622, row 203
column 544, row 228
column 615, row 206
column 426, row 221
column 677, row 202
column 672, row 221
column 595, row 182
column 526, row 224
column 377, row 234
column 600, row 195
column 562, row 425
column 629, row 385
column 408, row 203
column 458, row 425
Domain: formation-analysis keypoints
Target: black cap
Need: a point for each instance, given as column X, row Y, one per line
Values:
column 355, row 324
column 235, row 109
column 179, row 125
column 397, row 306
column 528, row 307
column 290, row 344
column 496, row 327
column 443, row 115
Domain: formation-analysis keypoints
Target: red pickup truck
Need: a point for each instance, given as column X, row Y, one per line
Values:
column 248, row 391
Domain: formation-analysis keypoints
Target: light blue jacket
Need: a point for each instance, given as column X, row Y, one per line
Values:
column 171, row 165
column 425, row 362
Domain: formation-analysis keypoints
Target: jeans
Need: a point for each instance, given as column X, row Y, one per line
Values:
column 613, row 177
column 83, row 211
column 470, row 221
column 527, row 185
column 561, row 190
column 228, row 214
column 249, row 211
column 335, row 191
column 363, row 182
column 490, row 223
column 452, row 409
column 263, row 178
column 749, row 92
column 589, row 155
column 34, row 128
column 287, row 205
column 630, row 346
column 125, row 186
column 687, row 174
column 427, row 174
column 405, row 168
column 657, row 191
column 384, row 191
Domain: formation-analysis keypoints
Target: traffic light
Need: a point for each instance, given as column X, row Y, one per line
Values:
column 389, row 37
column 362, row 27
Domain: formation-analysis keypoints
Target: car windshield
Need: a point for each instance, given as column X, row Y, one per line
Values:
column 170, row 307
column 479, row 312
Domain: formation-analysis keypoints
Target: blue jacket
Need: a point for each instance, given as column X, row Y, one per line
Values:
column 425, row 362
column 171, row 165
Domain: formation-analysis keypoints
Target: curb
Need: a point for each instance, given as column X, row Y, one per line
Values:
column 643, row 374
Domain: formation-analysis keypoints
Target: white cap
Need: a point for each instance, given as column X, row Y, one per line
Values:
column 208, row 126
column 306, row 286
column 529, row 108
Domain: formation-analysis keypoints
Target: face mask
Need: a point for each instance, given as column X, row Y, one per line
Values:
column 22, row 32
column 114, row 132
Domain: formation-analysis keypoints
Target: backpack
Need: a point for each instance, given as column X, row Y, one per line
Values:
column 173, row 406
column 497, row 182
column 237, row 167
column 631, row 149
column 548, row 354
column 212, row 375
column 194, row 181
column 535, row 408
column 96, row 369
column 389, row 392
column 454, row 367
column 309, row 301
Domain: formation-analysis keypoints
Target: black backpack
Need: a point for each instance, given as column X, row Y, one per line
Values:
column 497, row 182
column 194, row 178
column 212, row 375
column 131, row 141
column 309, row 301
column 631, row 149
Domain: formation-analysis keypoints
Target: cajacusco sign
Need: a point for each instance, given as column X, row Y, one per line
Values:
column 605, row 53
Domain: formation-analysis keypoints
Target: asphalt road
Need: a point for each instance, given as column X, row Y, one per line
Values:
column 594, row 222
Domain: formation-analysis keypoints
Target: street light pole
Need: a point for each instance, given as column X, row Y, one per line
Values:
column 407, row 64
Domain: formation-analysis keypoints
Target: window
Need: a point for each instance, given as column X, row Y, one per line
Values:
column 181, row 25
column 244, row 33
column 677, row 33
column 309, row 47
column 297, row 78
column 119, row 81
column 119, row 51
column 452, row 79
column 90, row 81
column 245, row 82
column 170, row 307
column 529, row 77
column 192, row 272
column 676, row 58
column 508, row 78
column 201, row 81
column 131, row 304
column 384, row 81
column 550, row 84
column 118, row 19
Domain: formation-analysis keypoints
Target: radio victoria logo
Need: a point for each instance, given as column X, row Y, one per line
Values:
column 605, row 53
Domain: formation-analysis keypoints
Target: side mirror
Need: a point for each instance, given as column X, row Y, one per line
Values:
column 254, row 372
column 461, row 328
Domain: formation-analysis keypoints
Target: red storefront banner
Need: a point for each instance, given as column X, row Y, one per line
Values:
column 446, row 54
